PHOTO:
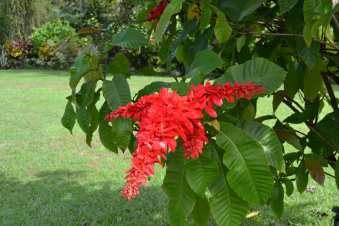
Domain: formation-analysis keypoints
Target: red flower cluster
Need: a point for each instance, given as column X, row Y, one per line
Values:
column 157, row 11
column 165, row 116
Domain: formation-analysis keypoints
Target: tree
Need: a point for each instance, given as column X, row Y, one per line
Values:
column 260, row 45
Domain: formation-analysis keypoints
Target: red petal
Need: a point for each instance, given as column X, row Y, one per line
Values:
column 189, row 125
column 194, row 115
column 198, row 123
column 172, row 143
column 211, row 111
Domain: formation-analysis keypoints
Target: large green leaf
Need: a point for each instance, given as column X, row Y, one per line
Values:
column 152, row 88
column 205, row 15
column 106, row 49
column 83, row 118
column 85, row 96
column 120, row 65
column 315, row 169
column 205, row 61
column 277, row 199
column 200, row 42
column 289, row 138
column 313, row 80
column 249, row 175
column 226, row 206
column 257, row 71
column 68, row 119
column 201, row 211
column 173, row 7
column 309, row 7
column 267, row 139
column 94, row 113
column 106, row 135
column 77, row 71
column 181, row 87
column 130, row 38
column 200, row 172
column 181, row 197
column 237, row 9
column 309, row 55
column 116, row 92
column 122, row 127
column 328, row 128
column 285, row 5
column 301, row 177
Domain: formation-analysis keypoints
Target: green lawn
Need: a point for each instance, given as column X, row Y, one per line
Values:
column 49, row 177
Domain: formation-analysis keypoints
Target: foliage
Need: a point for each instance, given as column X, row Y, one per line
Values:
column 56, row 31
column 3, row 58
column 264, row 43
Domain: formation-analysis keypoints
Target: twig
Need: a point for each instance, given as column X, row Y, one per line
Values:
column 290, row 106
column 282, row 34
column 330, row 91
column 335, row 22
column 295, row 102
column 329, row 175
column 321, row 137
column 264, row 23
column 333, row 76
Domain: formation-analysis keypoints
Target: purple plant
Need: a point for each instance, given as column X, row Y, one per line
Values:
column 23, row 44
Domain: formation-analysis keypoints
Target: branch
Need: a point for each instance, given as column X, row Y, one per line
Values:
column 295, row 102
column 329, row 175
column 335, row 22
column 129, row 18
column 264, row 23
column 281, row 34
column 333, row 76
column 330, row 91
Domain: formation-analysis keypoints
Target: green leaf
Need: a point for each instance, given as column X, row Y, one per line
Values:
column 173, row 7
column 291, row 84
column 289, row 186
column 201, row 211
column 328, row 128
column 236, row 10
column 130, row 38
column 289, row 138
column 181, row 37
column 315, row 169
column 264, row 118
column 106, row 49
column 321, row 159
column 148, row 71
column 116, row 92
column 68, row 119
column 152, row 88
column 181, row 197
column 206, row 15
column 201, row 42
column 268, row 139
column 226, row 206
column 277, row 199
column 106, row 135
column 205, row 61
column 309, row 8
column 222, row 29
column 313, row 81
column 83, row 118
column 249, row 175
column 278, row 98
column 285, row 5
column 85, row 96
column 297, row 118
column 122, row 127
column 301, row 177
column 200, row 172
column 77, row 71
column 181, row 87
column 309, row 55
column 241, row 42
column 336, row 173
column 94, row 113
column 256, row 71
column 307, row 36
column 120, row 65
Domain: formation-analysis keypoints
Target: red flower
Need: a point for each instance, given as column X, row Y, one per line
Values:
column 166, row 116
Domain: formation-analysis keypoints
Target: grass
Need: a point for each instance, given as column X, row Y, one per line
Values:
column 49, row 177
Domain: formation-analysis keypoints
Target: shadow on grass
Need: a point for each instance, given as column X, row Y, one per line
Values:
column 64, row 197
column 60, row 198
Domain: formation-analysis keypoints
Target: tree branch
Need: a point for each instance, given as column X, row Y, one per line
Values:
column 330, row 91
column 281, row 34
column 333, row 76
